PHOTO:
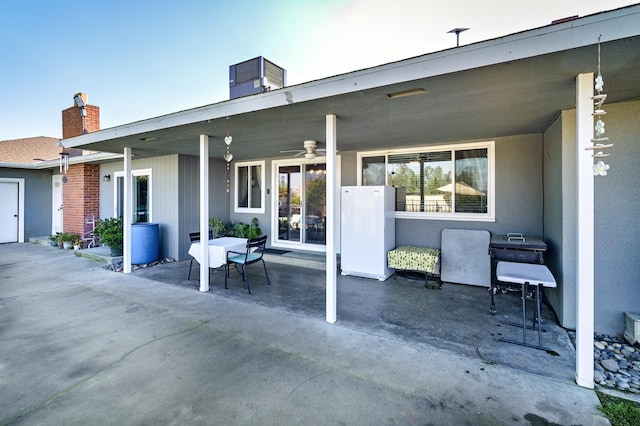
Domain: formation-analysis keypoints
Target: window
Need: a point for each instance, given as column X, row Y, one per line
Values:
column 141, row 195
column 443, row 182
column 249, row 183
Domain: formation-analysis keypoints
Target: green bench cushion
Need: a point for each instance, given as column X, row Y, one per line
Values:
column 413, row 258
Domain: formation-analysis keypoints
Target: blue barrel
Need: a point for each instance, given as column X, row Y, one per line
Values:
column 144, row 242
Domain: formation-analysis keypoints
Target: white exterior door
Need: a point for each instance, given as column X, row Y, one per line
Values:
column 9, row 213
column 56, row 204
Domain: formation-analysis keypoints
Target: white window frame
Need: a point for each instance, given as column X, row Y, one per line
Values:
column 134, row 173
column 470, row 217
column 263, row 188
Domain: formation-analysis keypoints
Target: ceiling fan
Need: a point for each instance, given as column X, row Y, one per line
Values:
column 309, row 150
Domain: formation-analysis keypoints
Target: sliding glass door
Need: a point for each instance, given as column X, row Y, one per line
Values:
column 301, row 203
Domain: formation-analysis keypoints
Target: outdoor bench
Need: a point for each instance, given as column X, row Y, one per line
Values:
column 417, row 259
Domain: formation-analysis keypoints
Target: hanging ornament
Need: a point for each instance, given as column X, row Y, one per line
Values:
column 599, row 168
column 599, row 128
column 228, row 156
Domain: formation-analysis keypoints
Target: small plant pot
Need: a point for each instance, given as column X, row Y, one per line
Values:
column 76, row 247
column 67, row 244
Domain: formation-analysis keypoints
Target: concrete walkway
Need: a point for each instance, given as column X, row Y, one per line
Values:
column 83, row 345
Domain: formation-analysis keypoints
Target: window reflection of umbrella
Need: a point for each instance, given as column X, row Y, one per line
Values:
column 462, row 188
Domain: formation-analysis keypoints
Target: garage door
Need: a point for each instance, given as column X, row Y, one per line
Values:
column 9, row 212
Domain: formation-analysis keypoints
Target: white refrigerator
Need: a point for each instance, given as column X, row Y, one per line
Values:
column 368, row 230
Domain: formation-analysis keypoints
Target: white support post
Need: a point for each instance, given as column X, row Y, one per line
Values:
column 584, row 232
column 127, row 215
column 331, row 273
column 204, row 213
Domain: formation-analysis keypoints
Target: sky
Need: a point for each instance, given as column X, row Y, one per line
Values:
column 138, row 59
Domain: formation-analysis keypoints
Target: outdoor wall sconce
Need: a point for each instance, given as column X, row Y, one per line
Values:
column 106, row 178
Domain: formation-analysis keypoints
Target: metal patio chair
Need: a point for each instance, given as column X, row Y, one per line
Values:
column 194, row 237
column 253, row 254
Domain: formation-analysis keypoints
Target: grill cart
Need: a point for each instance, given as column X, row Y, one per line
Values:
column 513, row 247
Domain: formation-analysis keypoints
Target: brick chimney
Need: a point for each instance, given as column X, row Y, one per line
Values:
column 82, row 119
column 81, row 189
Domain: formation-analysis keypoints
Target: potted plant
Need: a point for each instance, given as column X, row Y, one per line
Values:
column 67, row 239
column 53, row 239
column 110, row 233
column 76, row 242
column 219, row 228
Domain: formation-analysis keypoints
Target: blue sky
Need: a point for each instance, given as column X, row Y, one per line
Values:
column 138, row 59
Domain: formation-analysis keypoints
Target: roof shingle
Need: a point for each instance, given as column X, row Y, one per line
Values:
column 29, row 150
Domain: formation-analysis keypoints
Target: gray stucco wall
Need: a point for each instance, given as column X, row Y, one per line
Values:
column 518, row 175
column 616, row 221
column 519, row 203
column 559, row 215
column 37, row 199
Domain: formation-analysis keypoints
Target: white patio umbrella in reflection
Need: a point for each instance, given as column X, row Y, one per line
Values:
column 461, row 189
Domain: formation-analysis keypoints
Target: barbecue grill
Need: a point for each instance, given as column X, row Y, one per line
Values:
column 513, row 247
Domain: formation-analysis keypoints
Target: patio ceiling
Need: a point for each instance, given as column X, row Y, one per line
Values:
column 508, row 98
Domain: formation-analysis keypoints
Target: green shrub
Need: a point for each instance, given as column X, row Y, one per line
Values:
column 219, row 228
column 67, row 236
column 235, row 229
column 110, row 232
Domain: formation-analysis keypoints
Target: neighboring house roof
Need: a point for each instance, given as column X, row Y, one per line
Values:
column 29, row 150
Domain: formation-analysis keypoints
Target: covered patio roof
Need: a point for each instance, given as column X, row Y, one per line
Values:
column 512, row 85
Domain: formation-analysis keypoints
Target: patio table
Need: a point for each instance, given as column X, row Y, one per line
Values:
column 218, row 248
column 527, row 274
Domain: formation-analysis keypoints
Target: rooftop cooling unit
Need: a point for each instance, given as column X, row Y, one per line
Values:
column 256, row 75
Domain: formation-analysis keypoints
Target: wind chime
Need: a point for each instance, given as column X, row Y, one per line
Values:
column 64, row 162
column 228, row 156
column 599, row 140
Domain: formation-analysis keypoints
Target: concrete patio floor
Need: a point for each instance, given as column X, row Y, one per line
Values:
column 82, row 344
column 455, row 318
